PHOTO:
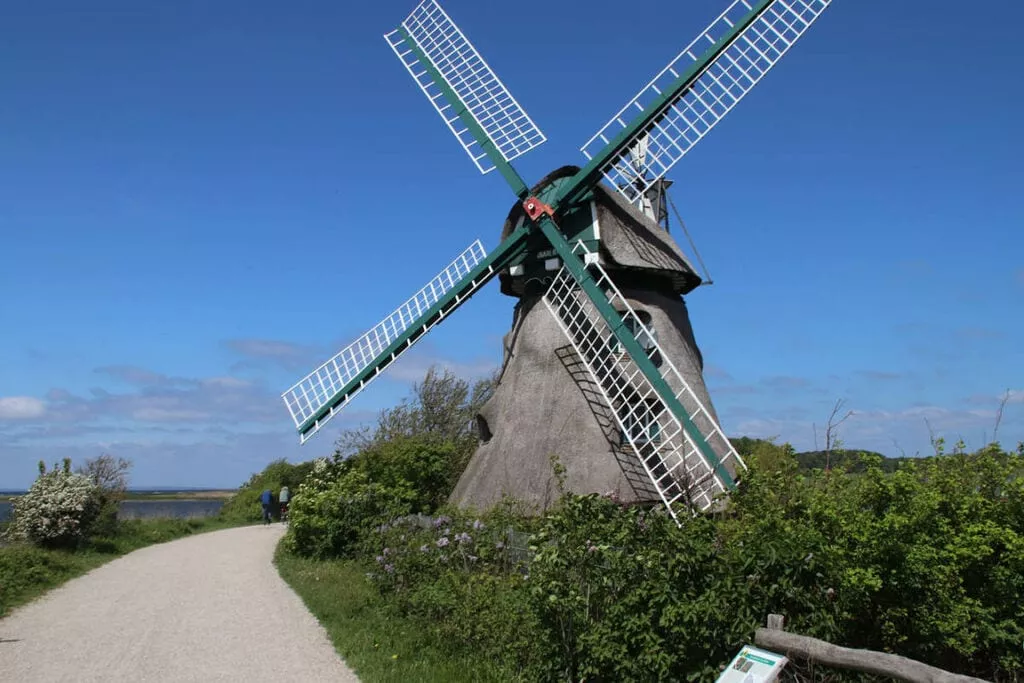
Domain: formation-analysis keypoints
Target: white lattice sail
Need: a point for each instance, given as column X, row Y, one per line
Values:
column 716, row 90
column 479, row 89
column 307, row 399
column 669, row 454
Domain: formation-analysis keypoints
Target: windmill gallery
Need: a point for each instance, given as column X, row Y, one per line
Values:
column 601, row 345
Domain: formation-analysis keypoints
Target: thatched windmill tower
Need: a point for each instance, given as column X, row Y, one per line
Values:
column 546, row 403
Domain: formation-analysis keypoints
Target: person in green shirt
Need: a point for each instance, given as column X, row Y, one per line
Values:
column 283, row 498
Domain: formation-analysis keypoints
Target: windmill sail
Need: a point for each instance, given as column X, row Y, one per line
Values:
column 319, row 396
column 684, row 459
column 697, row 89
column 475, row 105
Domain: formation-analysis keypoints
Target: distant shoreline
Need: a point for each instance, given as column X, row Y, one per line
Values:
column 169, row 494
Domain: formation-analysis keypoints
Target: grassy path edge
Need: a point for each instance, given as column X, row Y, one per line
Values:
column 379, row 645
column 27, row 572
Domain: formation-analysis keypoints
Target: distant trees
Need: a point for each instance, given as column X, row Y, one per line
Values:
column 442, row 407
column 110, row 476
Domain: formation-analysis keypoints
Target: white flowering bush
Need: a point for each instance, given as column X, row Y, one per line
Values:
column 58, row 509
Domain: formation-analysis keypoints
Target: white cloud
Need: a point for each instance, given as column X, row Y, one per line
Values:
column 264, row 353
column 225, row 382
column 413, row 367
column 21, row 408
column 169, row 415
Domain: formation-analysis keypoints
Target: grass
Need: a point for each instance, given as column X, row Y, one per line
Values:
column 26, row 572
column 375, row 641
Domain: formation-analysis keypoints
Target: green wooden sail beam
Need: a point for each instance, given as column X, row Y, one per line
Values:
column 509, row 252
column 625, row 337
column 591, row 173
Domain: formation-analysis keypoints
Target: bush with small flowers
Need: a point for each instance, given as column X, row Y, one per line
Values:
column 58, row 510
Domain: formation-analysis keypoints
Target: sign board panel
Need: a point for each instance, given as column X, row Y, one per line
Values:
column 753, row 665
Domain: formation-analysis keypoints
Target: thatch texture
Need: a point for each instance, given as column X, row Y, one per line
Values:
column 546, row 402
column 630, row 240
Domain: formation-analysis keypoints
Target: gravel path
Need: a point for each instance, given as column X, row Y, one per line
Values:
column 204, row 608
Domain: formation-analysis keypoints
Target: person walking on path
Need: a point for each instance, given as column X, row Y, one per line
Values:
column 267, row 498
column 282, row 499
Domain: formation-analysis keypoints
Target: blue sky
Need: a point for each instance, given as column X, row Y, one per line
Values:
column 201, row 201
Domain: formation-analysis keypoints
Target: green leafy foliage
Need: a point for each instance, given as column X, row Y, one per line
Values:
column 344, row 498
column 923, row 557
column 408, row 464
column 629, row 596
column 377, row 641
column 337, row 506
column 927, row 562
column 244, row 505
column 110, row 475
column 456, row 577
column 424, row 469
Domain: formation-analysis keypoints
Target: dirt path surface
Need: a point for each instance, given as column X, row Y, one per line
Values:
column 204, row 608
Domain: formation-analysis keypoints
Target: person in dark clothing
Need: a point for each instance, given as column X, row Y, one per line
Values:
column 267, row 498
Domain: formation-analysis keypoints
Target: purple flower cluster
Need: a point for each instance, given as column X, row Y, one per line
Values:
column 454, row 543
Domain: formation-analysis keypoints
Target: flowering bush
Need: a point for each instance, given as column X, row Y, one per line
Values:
column 457, row 575
column 58, row 510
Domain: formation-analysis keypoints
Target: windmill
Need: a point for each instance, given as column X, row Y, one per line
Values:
column 601, row 359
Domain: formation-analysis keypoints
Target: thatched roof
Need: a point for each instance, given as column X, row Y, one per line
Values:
column 546, row 403
column 630, row 240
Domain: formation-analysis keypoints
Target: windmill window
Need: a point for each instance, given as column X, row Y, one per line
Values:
column 647, row 338
column 483, row 430
column 642, row 425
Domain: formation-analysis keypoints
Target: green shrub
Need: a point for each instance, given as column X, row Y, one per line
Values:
column 58, row 510
column 245, row 506
column 927, row 562
column 454, row 576
column 629, row 596
column 336, row 508
column 424, row 469
column 923, row 557
column 110, row 475
column 344, row 498
column 26, row 570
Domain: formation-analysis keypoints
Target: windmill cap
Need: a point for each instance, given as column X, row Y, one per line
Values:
column 632, row 245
